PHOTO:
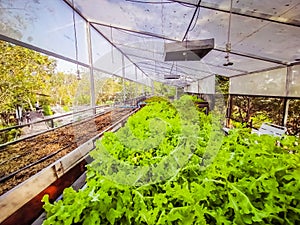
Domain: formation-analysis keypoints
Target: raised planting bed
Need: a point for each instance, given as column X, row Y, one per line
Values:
column 163, row 167
column 23, row 202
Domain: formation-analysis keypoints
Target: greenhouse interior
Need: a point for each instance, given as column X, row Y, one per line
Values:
column 149, row 112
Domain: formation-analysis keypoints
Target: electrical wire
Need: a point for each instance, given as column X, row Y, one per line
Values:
column 195, row 20
column 190, row 24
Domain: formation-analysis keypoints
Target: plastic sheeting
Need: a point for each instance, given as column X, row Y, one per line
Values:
column 204, row 86
column 45, row 24
column 294, row 82
column 281, row 82
column 263, row 36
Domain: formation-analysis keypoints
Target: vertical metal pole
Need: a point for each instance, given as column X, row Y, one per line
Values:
column 229, row 110
column 123, row 75
column 92, row 80
column 286, row 100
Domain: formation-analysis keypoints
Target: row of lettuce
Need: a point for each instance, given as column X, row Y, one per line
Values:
column 172, row 164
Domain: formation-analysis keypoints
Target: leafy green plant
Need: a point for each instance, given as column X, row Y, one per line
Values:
column 259, row 119
column 10, row 135
column 66, row 108
column 252, row 180
column 47, row 110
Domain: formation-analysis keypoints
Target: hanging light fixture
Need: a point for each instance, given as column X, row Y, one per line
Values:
column 228, row 44
column 189, row 50
column 172, row 75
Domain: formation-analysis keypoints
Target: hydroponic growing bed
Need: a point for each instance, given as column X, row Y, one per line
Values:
column 170, row 165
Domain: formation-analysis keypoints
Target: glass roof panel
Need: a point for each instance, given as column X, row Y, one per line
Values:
column 293, row 14
column 249, row 35
column 214, row 24
column 281, row 10
column 163, row 19
column 44, row 24
column 276, row 41
column 274, row 7
column 149, row 24
column 147, row 51
column 241, row 65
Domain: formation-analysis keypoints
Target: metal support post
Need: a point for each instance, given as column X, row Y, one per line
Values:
column 123, row 77
column 92, row 80
column 286, row 102
column 229, row 110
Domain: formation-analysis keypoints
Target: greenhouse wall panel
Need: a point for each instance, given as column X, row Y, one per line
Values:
column 207, row 85
column 294, row 82
column 268, row 83
column 192, row 88
column 203, row 86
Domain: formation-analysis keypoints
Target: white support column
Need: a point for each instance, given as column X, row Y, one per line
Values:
column 92, row 80
column 286, row 100
column 123, row 76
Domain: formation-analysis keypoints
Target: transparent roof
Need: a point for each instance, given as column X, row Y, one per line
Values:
column 249, row 36
column 263, row 34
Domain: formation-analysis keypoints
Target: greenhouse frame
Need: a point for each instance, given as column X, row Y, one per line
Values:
column 95, row 36
column 183, row 44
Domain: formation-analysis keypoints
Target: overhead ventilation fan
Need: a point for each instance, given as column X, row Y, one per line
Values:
column 188, row 50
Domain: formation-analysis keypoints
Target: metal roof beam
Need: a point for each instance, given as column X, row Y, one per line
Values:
column 133, row 31
column 253, row 56
column 41, row 50
column 251, row 14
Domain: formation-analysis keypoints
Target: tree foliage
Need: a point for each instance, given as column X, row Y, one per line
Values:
column 293, row 123
column 63, row 88
column 164, row 90
column 25, row 74
column 257, row 110
column 107, row 90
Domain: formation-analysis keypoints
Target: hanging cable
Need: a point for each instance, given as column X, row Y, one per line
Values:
column 194, row 25
column 76, row 43
column 193, row 17
column 228, row 44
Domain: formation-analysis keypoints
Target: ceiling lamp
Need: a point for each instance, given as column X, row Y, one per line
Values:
column 188, row 50
column 171, row 77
